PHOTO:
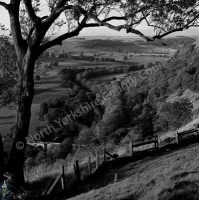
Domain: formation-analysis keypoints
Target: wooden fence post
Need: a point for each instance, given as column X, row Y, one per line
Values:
column 89, row 165
column 131, row 148
column 63, row 178
column 156, row 143
column 76, row 168
column 105, row 154
column 97, row 159
column 45, row 146
column 177, row 141
column 115, row 178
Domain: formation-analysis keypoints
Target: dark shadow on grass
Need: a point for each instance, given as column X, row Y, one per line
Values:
column 184, row 190
column 7, row 117
column 131, row 197
column 6, row 123
column 182, row 175
column 40, row 91
column 47, row 82
column 188, row 141
column 105, row 176
column 38, row 186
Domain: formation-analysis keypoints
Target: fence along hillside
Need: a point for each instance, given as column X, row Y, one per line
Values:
column 90, row 165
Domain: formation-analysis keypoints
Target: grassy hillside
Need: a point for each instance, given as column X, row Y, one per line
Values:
column 172, row 175
column 134, row 111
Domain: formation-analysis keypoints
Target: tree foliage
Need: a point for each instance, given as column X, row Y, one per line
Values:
column 9, row 76
column 174, row 115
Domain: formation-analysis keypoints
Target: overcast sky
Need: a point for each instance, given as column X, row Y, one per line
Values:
column 4, row 19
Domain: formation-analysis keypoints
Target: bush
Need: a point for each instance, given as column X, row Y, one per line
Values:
column 174, row 115
column 54, row 63
column 31, row 152
column 65, row 148
column 56, row 103
column 62, row 55
column 117, row 136
column 43, row 110
column 125, row 58
column 41, row 156
column 180, row 92
column 46, row 54
column 37, row 78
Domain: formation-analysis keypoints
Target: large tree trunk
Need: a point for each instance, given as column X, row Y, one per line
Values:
column 2, row 162
column 2, row 165
column 16, row 158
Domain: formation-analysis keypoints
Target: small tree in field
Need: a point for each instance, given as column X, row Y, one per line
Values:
column 30, row 30
column 54, row 63
column 81, row 55
column 125, row 58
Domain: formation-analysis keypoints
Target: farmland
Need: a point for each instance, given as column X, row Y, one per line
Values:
column 66, row 80
column 49, row 87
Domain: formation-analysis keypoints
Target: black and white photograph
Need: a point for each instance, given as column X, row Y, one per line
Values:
column 99, row 99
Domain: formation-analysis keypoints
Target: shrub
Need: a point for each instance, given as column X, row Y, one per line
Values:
column 56, row 103
column 37, row 78
column 174, row 115
column 46, row 54
column 41, row 156
column 31, row 152
column 125, row 58
column 54, row 63
column 180, row 92
column 118, row 135
column 43, row 111
column 65, row 147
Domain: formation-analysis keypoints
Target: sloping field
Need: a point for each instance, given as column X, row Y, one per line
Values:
column 47, row 88
column 170, row 175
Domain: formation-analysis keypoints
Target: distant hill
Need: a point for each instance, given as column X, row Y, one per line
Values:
column 173, row 42
column 103, row 45
column 113, row 44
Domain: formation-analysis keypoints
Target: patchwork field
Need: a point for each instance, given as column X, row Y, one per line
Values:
column 49, row 87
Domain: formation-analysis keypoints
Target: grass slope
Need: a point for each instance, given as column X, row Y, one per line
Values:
column 169, row 175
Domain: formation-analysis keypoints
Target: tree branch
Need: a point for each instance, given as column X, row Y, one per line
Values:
column 194, row 19
column 61, row 6
column 128, row 28
column 187, row 26
column 119, row 28
column 19, row 43
column 61, row 38
column 105, row 20
column 114, row 18
column 55, row 13
column 147, row 38
column 167, row 33
column 31, row 13
column 154, row 26
column 5, row 5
